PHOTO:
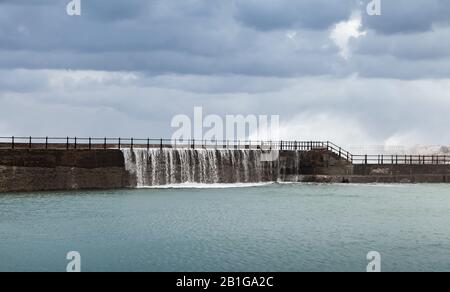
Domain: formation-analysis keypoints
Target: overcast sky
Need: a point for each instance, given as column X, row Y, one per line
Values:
column 125, row 68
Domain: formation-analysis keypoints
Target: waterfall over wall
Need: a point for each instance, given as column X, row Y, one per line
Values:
column 155, row 167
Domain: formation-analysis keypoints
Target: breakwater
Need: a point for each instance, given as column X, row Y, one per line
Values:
column 73, row 169
column 41, row 170
column 48, row 170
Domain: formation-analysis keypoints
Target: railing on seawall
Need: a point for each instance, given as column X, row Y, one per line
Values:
column 90, row 143
column 120, row 143
column 402, row 159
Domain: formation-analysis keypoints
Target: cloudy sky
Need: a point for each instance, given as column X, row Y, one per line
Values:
column 125, row 68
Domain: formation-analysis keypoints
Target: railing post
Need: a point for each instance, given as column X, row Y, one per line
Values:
column 120, row 142
column 75, row 142
column 281, row 145
column 12, row 142
column 365, row 159
column 340, row 151
column 46, row 142
column 161, row 144
column 132, row 143
column 90, row 143
column 148, row 144
column 104, row 144
column 67, row 143
column 29, row 143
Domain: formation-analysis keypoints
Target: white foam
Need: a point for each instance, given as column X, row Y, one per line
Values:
column 207, row 186
column 383, row 185
column 387, row 185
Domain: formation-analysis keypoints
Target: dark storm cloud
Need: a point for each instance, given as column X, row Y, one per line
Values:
column 126, row 67
column 240, row 37
column 409, row 16
column 433, row 45
column 289, row 14
column 107, row 10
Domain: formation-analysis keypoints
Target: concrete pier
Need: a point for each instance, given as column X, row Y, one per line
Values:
column 75, row 169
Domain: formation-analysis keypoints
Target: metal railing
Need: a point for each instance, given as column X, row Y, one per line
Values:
column 402, row 159
column 119, row 143
column 83, row 143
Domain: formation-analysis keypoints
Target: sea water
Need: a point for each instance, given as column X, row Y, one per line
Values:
column 254, row 227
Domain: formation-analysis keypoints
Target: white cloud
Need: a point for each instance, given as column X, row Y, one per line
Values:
column 324, row 127
column 344, row 31
column 348, row 111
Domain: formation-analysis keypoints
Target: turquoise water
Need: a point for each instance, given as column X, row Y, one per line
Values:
column 292, row 227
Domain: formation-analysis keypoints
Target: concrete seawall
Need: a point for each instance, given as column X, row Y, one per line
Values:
column 49, row 170
column 390, row 174
column 402, row 173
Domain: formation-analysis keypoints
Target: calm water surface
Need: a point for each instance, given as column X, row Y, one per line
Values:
column 289, row 227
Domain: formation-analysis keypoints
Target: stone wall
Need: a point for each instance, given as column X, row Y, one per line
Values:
column 49, row 170
column 401, row 169
column 401, row 173
column 312, row 166
column 45, row 170
column 327, row 168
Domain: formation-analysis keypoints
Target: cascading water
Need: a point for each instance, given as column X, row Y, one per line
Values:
column 155, row 167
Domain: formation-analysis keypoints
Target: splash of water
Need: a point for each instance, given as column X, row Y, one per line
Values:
column 156, row 167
